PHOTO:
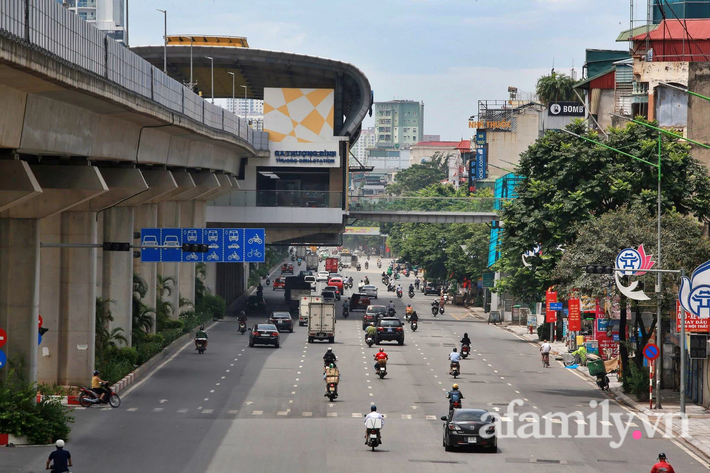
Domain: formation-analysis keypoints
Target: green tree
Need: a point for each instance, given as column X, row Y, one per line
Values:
column 555, row 88
column 105, row 338
column 143, row 315
column 165, row 285
column 419, row 176
column 569, row 181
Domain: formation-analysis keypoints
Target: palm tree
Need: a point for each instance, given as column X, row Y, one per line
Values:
column 555, row 88
column 165, row 285
column 143, row 317
column 104, row 339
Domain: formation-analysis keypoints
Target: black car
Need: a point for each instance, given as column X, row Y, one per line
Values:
column 334, row 290
column 264, row 334
column 373, row 313
column 470, row 427
column 256, row 303
column 432, row 289
column 389, row 329
column 282, row 320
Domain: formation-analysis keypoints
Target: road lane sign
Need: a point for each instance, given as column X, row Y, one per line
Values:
column 170, row 237
column 192, row 236
column 150, row 237
column 555, row 306
column 651, row 351
column 254, row 245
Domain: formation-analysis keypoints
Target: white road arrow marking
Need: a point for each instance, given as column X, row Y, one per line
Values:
column 249, row 403
column 163, row 400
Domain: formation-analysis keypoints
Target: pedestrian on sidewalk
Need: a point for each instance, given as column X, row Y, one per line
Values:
column 662, row 466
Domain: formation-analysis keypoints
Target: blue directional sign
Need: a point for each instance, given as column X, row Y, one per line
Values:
column 254, row 246
column 555, row 306
column 3, row 359
column 226, row 245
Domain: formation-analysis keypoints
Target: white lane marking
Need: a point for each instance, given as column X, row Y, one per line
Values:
column 489, row 364
column 293, row 392
column 300, row 366
column 369, row 387
column 525, row 399
column 182, row 411
column 249, row 403
column 330, row 405
column 439, row 382
column 631, row 424
column 132, row 409
column 207, row 411
column 332, row 414
column 298, row 372
column 530, row 419
column 502, row 377
column 485, row 359
column 295, row 385
column 224, row 377
column 371, row 394
column 235, row 359
column 297, row 379
column 517, row 392
column 436, row 376
column 306, row 414
column 406, row 416
column 157, row 409
column 495, row 371
column 282, row 413
column 535, row 407
column 228, row 371
column 217, row 384
column 231, row 364
column 357, row 414
column 257, row 413
column 211, row 390
column 430, row 417
column 508, row 384
column 207, row 399
column 233, row 411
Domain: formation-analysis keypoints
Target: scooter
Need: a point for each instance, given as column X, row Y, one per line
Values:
column 406, row 316
column 391, row 287
column 367, row 265
column 346, row 312
column 358, row 267
column 379, row 265
column 201, row 345
column 373, row 439
column 89, row 397
column 370, row 341
column 399, row 294
column 242, row 327
column 454, row 403
column 603, row 382
column 331, row 391
column 268, row 281
column 382, row 371
column 455, row 369
column 441, row 309
column 464, row 351
column 414, row 326
column 434, row 310
column 391, row 312
column 411, row 294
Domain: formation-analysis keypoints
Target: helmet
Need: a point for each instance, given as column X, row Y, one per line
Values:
column 330, row 349
column 242, row 313
column 373, row 408
column 59, row 443
column 455, row 386
column 382, row 350
column 465, row 334
column 454, row 350
column 331, row 365
column 96, row 372
column 661, row 456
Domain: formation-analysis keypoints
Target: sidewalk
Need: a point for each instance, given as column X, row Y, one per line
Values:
column 698, row 417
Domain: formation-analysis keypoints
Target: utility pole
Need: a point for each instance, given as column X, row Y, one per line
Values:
column 165, row 41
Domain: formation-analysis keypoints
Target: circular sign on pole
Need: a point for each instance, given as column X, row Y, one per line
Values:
column 3, row 337
column 40, row 321
column 651, row 352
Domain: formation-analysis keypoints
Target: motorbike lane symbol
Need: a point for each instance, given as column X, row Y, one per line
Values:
column 256, row 239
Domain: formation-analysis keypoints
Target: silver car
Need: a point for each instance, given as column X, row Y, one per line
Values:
column 370, row 290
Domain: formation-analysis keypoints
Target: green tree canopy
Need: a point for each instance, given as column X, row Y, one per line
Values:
column 418, row 176
column 555, row 88
column 569, row 181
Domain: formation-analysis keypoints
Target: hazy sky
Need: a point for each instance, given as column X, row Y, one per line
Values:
column 447, row 53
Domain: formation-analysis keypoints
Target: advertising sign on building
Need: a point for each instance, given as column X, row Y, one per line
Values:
column 300, row 127
column 575, row 315
column 480, row 137
column 566, row 109
column 481, row 162
column 692, row 322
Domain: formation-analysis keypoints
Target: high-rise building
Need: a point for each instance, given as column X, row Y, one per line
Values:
column 107, row 15
column 399, row 123
column 251, row 109
column 367, row 140
column 680, row 9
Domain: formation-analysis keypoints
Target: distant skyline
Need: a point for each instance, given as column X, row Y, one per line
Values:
column 447, row 53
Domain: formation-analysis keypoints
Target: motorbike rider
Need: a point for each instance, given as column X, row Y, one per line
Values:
column 370, row 331
column 61, row 458
column 380, row 355
column 661, row 467
column 545, row 349
column 455, row 357
column 390, row 307
column 409, row 309
column 350, row 281
column 200, row 334
column 242, row 317
column 358, row 266
column 359, row 285
column 465, row 340
column 346, row 305
column 329, row 357
column 366, row 280
column 442, row 300
column 374, row 415
column 454, row 394
column 97, row 387
column 259, row 289
column 416, row 283
column 413, row 317
column 411, row 287
column 399, row 288
column 332, row 371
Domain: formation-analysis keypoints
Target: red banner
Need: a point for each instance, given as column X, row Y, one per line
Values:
column 550, row 315
column 574, row 319
column 692, row 323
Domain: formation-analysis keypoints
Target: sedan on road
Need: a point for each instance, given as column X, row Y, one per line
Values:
column 333, row 289
column 282, row 320
column 432, row 289
column 264, row 334
column 389, row 329
column 373, row 313
column 469, row 427
column 322, row 276
column 279, row 283
column 312, row 281
column 337, row 282
column 370, row 290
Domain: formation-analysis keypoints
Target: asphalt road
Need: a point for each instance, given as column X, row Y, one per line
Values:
column 262, row 409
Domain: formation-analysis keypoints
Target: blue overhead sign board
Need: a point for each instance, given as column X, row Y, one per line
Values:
column 225, row 245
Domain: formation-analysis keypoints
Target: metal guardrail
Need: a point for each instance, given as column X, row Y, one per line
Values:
column 425, row 204
column 47, row 25
column 303, row 199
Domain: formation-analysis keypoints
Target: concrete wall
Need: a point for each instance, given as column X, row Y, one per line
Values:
column 699, row 110
column 507, row 146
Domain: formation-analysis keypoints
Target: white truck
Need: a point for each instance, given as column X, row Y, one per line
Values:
column 346, row 260
column 321, row 321
column 312, row 262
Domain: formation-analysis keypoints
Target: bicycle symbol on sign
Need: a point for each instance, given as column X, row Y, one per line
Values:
column 254, row 254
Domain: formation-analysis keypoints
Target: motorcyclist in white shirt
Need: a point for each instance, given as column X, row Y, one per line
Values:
column 373, row 415
column 455, row 357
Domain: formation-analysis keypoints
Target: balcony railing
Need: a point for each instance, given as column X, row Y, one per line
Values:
column 303, row 199
column 425, row 204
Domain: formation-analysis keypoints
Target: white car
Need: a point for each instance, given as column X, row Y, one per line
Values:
column 370, row 290
column 323, row 276
column 312, row 281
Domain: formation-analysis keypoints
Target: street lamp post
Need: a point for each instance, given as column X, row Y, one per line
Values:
column 234, row 103
column 165, row 41
column 212, row 69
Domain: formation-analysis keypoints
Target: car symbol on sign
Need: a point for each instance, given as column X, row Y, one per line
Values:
column 171, row 240
column 233, row 246
column 150, row 240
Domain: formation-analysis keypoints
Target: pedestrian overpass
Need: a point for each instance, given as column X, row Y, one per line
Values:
column 424, row 209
